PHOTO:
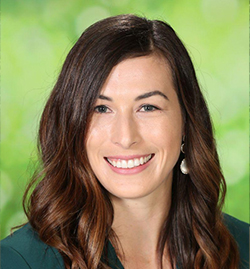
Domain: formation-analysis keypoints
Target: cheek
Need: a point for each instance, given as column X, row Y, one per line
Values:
column 164, row 132
column 100, row 126
column 96, row 134
column 96, row 141
column 92, row 144
column 166, row 136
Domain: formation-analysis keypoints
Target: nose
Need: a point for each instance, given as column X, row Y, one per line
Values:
column 125, row 132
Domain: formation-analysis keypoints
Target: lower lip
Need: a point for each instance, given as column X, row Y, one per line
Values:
column 130, row 171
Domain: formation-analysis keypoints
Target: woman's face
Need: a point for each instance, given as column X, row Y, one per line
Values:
column 135, row 134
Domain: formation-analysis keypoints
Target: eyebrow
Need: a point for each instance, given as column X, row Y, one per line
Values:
column 140, row 97
column 149, row 94
column 103, row 97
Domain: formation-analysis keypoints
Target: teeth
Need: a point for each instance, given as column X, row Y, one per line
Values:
column 136, row 162
column 130, row 163
column 124, row 164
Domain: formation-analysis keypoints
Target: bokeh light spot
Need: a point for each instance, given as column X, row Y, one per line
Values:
column 90, row 16
column 232, row 149
column 222, row 11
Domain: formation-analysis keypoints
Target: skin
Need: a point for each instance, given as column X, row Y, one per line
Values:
column 126, row 126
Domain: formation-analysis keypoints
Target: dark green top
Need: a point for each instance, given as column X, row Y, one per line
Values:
column 24, row 249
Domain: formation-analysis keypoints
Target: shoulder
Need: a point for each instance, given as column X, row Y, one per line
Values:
column 240, row 231
column 23, row 249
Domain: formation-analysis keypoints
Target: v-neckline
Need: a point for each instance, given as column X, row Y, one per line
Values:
column 113, row 258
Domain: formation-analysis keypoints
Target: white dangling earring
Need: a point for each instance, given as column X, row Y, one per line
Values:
column 183, row 166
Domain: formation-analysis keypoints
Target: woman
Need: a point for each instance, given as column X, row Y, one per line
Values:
column 130, row 176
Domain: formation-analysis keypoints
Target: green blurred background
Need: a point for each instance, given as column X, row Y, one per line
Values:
column 36, row 37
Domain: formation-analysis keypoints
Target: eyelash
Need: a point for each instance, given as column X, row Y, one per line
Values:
column 103, row 107
column 151, row 106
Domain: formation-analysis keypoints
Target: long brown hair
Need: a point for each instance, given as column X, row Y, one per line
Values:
column 70, row 209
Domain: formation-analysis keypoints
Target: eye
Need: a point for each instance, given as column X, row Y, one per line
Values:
column 148, row 108
column 102, row 109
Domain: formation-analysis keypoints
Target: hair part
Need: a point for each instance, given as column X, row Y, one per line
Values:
column 70, row 209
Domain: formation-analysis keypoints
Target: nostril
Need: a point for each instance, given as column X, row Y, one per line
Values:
column 125, row 132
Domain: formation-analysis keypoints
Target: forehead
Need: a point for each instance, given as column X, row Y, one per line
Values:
column 139, row 74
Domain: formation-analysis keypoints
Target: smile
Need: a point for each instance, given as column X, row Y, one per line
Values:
column 129, row 163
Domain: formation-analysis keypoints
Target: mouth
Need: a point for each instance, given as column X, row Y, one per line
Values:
column 129, row 162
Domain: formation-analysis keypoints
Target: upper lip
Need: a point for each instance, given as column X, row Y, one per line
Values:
column 127, row 157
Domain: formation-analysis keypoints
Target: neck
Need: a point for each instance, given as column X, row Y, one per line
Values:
column 138, row 222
